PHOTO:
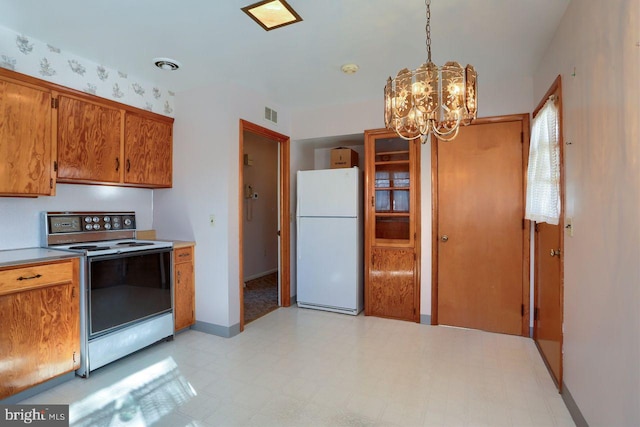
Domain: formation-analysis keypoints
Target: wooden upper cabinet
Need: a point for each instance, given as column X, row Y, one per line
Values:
column 392, row 226
column 27, row 149
column 92, row 140
column 148, row 148
column 89, row 141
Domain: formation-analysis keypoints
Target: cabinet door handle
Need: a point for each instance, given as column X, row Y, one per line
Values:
column 128, row 165
column 29, row 277
column 117, row 164
column 182, row 255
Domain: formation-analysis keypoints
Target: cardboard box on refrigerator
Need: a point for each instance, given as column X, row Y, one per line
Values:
column 343, row 157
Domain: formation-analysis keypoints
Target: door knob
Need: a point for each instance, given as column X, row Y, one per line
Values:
column 555, row 252
column 445, row 238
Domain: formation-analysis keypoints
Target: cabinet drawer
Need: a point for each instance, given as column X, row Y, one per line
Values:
column 16, row 279
column 183, row 255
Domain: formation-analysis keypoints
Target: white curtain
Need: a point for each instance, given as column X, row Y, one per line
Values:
column 543, row 176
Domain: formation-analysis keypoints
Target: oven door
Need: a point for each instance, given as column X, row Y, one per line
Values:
column 128, row 287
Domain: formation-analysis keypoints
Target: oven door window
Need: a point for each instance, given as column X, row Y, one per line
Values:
column 128, row 288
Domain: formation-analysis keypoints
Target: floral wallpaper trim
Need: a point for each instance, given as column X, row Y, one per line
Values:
column 24, row 54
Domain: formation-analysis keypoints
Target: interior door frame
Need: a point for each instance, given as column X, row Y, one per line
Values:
column 526, row 231
column 554, row 89
column 284, row 268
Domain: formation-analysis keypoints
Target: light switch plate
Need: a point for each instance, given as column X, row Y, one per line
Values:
column 212, row 220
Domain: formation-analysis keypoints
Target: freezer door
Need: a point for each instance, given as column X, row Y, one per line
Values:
column 328, row 267
column 329, row 192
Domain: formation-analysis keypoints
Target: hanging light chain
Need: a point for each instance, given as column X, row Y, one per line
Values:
column 428, row 29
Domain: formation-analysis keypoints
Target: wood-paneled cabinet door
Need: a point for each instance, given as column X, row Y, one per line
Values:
column 392, row 285
column 40, row 332
column 27, row 150
column 148, row 151
column 184, row 288
column 392, row 226
column 89, row 141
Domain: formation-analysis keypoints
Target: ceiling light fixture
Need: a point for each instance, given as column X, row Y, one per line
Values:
column 272, row 14
column 350, row 68
column 166, row 64
column 431, row 99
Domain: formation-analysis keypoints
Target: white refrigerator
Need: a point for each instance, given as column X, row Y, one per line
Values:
column 329, row 240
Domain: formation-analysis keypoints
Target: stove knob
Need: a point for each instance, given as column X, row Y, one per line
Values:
column 96, row 226
column 107, row 218
column 127, row 221
column 88, row 226
column 87, row 219
column 107, row 226
column 116, row 225
column 96, row 219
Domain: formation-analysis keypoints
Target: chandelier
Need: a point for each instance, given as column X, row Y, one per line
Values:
column 431, row 99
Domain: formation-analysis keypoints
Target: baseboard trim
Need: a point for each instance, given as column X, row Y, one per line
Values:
column 257, row 275
column 219, row 330
column 30, row 392
column 425, row 319
column 572, row 406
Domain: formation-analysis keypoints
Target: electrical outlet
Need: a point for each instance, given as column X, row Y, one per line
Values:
column 212, row 220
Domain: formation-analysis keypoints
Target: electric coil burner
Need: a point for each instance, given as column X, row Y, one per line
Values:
column 126, row 284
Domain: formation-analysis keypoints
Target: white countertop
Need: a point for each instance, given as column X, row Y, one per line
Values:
column 11, row 257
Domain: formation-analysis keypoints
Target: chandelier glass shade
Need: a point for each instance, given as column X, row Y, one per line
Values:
column 431, row 99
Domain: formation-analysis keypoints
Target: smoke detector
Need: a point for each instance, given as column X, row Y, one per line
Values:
column 166, row 64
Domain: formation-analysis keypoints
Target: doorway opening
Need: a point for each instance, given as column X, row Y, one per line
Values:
column 264, row 226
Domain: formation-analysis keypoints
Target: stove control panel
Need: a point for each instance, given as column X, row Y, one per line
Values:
column 91, row 222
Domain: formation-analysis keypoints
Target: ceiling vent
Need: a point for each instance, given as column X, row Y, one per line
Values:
column 271, row 115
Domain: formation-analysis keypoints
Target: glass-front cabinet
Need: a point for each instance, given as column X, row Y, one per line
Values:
column 392, row 225
column 392, row 184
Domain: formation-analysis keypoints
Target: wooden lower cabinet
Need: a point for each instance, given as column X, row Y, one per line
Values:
column 184, row 287
column 391, row 286
column 40, row 333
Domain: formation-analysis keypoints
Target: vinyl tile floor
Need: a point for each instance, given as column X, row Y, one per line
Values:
column 300, row 367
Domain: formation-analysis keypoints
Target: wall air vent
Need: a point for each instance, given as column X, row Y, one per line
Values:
column 271, row 115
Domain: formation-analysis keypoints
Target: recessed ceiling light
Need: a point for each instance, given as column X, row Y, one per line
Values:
column 166, row 64
column 272, row 14
column 349, row 68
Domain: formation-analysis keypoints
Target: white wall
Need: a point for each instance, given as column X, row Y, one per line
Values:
column 496, row 97
column 597, row 40
column 20, row 218
column 206, row 170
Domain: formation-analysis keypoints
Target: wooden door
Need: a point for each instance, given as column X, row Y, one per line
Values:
column 89, row 141
column 392, row 226
column 548, row 297
column 482, row 270
column 27, row 149
column 549, row 269
column 148, row 151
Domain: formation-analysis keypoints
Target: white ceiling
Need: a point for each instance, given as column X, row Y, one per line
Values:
column 299, row 65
